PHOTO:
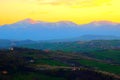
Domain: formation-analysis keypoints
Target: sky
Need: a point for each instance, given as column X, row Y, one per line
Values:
column 78, row 11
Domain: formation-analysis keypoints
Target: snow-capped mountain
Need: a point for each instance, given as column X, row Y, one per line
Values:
column 39, row 30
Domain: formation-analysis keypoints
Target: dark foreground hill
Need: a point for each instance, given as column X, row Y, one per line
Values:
column 30, row 64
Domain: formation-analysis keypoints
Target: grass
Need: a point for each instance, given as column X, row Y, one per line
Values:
column 35, row 76
column 100, row 66
column 50, row 62
column 113, row 55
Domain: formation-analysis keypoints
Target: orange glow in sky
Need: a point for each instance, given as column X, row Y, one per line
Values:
column 78, row 11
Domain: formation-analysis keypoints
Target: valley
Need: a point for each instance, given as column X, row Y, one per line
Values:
column 64, row 50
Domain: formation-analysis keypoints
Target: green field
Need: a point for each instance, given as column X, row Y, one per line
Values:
column 100, row 66
column 113, row 55
column 49, row 62
column 35, row 76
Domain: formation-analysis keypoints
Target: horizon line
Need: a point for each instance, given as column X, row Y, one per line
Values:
column 33, row 21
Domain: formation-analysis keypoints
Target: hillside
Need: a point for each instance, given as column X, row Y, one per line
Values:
column 78, row 46
column 37, row 64
column 107, row 50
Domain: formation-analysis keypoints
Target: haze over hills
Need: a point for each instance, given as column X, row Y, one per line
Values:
column 40, row 47
column 63, row 30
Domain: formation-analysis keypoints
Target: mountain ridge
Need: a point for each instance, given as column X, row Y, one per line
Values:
column 31, row 21
column 39, row 30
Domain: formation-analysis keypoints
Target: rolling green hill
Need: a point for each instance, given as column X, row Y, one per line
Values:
column 79, row 46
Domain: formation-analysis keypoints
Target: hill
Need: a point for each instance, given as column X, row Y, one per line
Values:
column 23, row 63
column 78, row 46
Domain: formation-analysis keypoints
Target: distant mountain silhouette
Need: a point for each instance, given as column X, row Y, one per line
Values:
column 38, row 30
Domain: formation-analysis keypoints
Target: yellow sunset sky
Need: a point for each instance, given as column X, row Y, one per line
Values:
column 78, row 11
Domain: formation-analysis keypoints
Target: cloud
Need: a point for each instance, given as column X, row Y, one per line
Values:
column 55, row 2
column 73, row 2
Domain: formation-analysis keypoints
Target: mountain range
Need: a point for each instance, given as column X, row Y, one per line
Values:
column 29, row 29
